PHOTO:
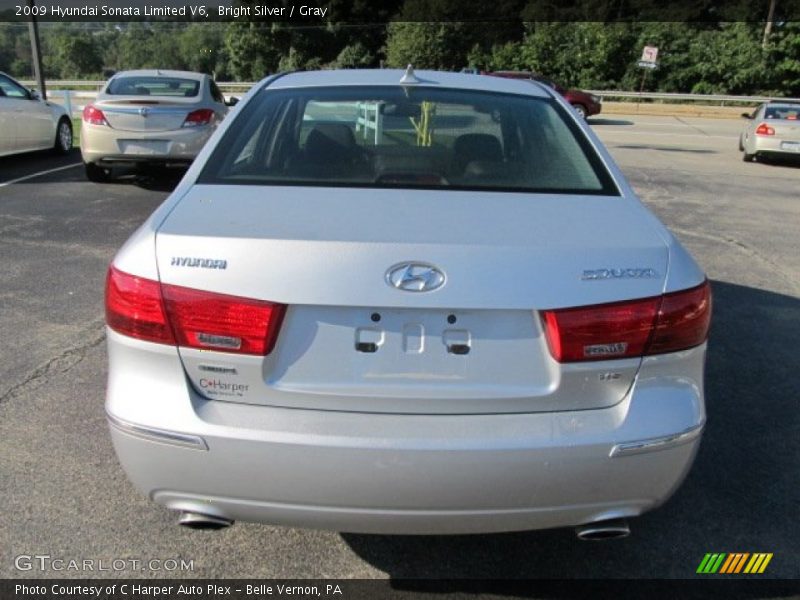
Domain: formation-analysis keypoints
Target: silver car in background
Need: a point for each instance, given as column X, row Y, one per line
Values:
column 772, row 131
column 406, row 303
column 149, row 117
column 28, row 123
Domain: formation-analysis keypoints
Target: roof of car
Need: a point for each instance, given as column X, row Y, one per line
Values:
column 161, row 73
column 359, row 77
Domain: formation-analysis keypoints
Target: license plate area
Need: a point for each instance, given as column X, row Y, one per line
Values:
column 144, row 147
column 790, row 146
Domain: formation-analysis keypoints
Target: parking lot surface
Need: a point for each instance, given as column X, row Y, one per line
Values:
column 64, row 494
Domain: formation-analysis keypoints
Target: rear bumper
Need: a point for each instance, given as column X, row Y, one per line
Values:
column 769, row 146
column 104, row 145
column 390, row 473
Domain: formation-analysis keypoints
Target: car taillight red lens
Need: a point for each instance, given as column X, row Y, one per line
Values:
column 683, row 320
column 170, row 314
column 601, row 332
column 656, row 325
column 94, row 115
column 134, row 307
column 764, row 129
column 212, row 321
column 201, row 116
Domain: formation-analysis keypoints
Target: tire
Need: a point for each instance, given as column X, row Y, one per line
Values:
column 741, row 145
column 581, row 110
column 63, row 141
column 748, row 157
column 95, row 173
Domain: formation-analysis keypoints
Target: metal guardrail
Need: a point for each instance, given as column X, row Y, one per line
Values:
column 240, row 86
column 236, row 86
column 707, row 98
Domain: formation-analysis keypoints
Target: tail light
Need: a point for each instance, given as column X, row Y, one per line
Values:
column 93, row 115
column 764, row 129
column 657, row 325
column 201, row 116
column 169, row 314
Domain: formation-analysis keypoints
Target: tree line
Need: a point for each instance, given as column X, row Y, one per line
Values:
column 694, row 57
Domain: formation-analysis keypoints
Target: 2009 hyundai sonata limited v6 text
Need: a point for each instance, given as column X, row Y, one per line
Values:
column 387, row 301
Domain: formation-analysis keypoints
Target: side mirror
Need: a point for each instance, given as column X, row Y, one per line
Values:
column 747, row 116
column 232, row 101
column 34, row 95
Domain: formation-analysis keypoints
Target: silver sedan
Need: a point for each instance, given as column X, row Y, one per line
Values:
column 29, row 123
column 406, row 303
column 149, row 117
column 772, row 131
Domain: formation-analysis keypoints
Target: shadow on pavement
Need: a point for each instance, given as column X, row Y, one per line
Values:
column 596, row 121
column 740, row 496
column 29, row 163
column 665, row 148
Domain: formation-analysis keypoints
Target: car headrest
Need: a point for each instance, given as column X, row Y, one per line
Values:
column 476, row 147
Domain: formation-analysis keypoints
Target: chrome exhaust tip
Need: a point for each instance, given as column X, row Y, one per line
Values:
column 194, row 520
column 604, row 530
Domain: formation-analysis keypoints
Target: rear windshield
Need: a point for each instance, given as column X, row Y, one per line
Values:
column 153, row 86
column 412, row 137
column 782, row 112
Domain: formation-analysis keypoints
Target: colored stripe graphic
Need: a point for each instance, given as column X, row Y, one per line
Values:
column 711, row 563
column 758, row 563
column 733, row 563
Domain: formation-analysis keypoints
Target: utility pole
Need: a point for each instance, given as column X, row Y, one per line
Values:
column 36, row 50
column 768, row 26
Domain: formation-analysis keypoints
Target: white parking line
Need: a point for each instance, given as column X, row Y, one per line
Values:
column 19, row 179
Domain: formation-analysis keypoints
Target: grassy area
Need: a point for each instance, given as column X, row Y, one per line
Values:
column 76, row 132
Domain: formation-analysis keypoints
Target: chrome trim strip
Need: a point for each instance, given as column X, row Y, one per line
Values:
column 195, row 442
column 656, row 444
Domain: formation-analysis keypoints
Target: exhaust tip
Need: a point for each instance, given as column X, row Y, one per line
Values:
column 604, row 530
column 194, row 520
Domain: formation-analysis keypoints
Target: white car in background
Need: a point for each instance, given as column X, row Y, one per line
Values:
column 772, row 131
column 28, row 123
column 406, row 303
column 150, row 117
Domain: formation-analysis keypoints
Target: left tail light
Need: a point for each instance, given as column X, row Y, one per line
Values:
column 764, row 129
column 93, row 115
column 657, row 325
column 201, row 116
column 170, row 314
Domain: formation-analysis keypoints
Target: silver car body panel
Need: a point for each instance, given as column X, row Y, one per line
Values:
column 27, row 124
column 409, row 439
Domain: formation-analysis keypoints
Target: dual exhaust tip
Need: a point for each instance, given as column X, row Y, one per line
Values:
column 604, row 530
column 194, row 520
column 601, row 530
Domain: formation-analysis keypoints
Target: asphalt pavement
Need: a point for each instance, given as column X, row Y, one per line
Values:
column 64, row 494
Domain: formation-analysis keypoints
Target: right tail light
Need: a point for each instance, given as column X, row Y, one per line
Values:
column 668, row 323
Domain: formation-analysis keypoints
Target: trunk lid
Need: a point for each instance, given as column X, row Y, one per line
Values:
column 147, row 115
column 351, row 341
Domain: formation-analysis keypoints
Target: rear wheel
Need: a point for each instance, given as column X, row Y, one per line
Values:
column 748, row 157
column 96, row 173
column 63, row 143
column 580, row 109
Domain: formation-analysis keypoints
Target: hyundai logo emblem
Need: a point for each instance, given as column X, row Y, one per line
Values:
column 415, row 277
column 143, row 112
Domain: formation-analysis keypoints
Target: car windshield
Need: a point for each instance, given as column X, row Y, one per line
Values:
column 153, row 86
column 407, row 137
column 782, row 112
